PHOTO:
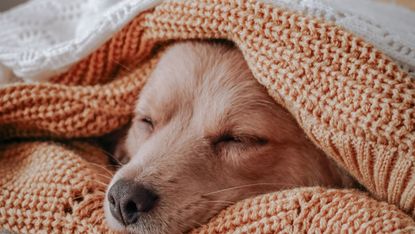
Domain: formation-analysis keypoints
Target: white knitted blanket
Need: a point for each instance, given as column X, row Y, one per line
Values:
column 44, row 37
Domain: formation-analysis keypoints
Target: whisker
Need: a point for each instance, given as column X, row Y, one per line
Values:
column 246, row 186
column 99, row 149
column 196, row 222
column 101, row 183
column 108, row 154
column 117, row 166
column 96, row 222
column 219, row 201
column 101, row 167
column 105, row 176
column 78, row 197
column 99, row 192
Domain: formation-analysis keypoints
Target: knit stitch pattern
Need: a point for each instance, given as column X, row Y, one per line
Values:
column 350, row 99
column 52, row 188
column 312, row 210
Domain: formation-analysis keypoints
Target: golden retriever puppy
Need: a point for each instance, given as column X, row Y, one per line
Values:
column 205, row 135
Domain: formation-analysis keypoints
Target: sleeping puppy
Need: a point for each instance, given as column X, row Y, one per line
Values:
column 205, row 135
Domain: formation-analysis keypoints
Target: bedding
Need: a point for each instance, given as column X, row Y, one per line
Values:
column 43, row 38
column 352, row 101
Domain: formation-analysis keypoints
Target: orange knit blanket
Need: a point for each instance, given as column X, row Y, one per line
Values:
column 350, row 99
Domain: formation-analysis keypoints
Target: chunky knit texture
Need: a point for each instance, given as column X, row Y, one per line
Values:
column 312, row 210
column 52, row 188
column 350, row 99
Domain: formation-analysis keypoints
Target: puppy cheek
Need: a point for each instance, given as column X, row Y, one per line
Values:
column 256, row 166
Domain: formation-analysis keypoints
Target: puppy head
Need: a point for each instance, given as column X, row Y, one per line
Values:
column 205, row 134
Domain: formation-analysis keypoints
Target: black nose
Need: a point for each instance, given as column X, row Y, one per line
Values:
column 129, row 199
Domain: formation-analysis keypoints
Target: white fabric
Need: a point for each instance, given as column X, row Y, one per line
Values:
column 44, row 37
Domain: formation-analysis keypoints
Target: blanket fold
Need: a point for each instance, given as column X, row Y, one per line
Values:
column 352, row 101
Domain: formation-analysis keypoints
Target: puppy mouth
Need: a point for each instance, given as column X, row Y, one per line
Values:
column 146, row 224
column 179, row 218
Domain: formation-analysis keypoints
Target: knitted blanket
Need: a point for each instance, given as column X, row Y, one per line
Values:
column 351, row 100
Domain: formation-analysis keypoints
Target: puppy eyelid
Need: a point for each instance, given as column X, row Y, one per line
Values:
column 226, row 138
column 147, row 120
column 242, row 139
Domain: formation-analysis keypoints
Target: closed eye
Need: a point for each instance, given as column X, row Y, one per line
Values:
column 226, row 138
column 147, row 121
column 245, row 140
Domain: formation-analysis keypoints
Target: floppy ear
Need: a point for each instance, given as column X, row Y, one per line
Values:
column 111, row 143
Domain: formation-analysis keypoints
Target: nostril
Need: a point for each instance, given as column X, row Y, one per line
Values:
column 129, row 199
column 131, row 207
column 140, row 200
column 130, row 213
column 111, row 200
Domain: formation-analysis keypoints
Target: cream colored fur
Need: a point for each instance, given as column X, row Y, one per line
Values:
column 206, row 134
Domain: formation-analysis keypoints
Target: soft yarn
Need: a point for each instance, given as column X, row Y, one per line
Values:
column 43, row 38
column 350, row 99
